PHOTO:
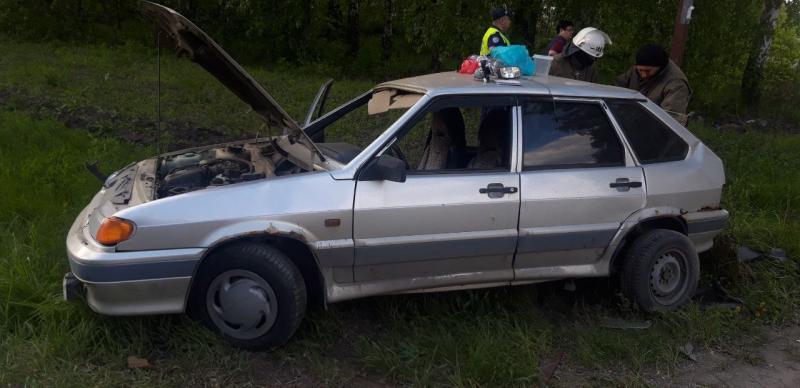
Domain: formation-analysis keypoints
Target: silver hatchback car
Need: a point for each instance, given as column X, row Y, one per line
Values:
column 436, row 182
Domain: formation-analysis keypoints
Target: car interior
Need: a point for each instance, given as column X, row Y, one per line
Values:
column 471, row 137
column 480, row 142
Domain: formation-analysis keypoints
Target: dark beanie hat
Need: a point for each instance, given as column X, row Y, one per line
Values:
column 652, row 55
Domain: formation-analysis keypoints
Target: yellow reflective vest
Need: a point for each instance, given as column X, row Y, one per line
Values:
column 485, row 49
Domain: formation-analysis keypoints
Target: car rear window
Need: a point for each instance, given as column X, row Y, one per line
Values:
column 652, row 140
column 568, row 135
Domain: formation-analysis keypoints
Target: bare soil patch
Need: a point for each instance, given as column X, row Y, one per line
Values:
column 176, row 134
column 775, row 363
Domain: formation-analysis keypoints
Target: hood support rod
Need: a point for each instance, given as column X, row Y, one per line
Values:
column 158, row 90
column 158, row 104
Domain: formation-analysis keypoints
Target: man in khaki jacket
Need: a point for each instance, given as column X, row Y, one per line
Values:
column 659, row 79
column 578, row 58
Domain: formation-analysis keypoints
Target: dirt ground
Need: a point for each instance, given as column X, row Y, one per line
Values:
column 772, row 362
column 775, row 363
column 179, row 134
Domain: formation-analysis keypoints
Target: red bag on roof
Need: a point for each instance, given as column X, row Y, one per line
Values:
column 469, row 66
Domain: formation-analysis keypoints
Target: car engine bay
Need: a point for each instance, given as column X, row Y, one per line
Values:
column 192, row 170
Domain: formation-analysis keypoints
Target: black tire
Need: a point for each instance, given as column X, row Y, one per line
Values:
column 242, row 283
column 649, row 270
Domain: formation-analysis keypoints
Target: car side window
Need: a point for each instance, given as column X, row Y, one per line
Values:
column 652, row 140
column 458, row 137
column 560, row 134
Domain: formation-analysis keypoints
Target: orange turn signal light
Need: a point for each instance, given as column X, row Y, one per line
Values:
column 114, row 230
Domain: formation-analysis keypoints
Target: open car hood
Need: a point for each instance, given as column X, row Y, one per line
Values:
column 190, row 41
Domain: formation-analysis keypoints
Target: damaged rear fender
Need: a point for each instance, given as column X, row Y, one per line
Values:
column 649, row 218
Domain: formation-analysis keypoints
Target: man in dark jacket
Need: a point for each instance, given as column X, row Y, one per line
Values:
column 659, row 79
column 578, row 58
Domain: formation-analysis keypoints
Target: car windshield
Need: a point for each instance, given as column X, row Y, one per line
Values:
column 347, row 130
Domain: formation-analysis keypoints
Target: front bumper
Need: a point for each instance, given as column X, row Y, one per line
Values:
column 128, row 283
column 73, row 289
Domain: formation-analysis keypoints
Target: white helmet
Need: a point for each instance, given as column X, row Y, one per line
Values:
column 591, row 41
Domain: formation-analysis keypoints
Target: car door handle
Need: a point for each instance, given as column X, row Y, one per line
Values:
column 623, row 184
column 497, row 190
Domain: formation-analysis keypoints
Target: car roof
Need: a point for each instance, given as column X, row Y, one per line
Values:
column 452, row 82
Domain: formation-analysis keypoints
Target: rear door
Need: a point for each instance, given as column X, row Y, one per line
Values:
column 578, row 183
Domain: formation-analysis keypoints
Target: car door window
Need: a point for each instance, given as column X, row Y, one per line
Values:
column 359, row 128
column 652, row 140
column 564, row 134
column 345, row 131
column 455, row 137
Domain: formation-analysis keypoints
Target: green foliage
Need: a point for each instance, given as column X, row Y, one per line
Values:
column 719, row 42
column 759, row 167
column 782, row 73
column 117, row 89
column 391, row 38
column 761, row 195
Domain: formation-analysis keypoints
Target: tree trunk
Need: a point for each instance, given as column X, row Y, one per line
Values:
column 762, row 41
column 436, row 64
column 333, row 22
column 388, row 33
column 81, row 17
column 680, row 33
column 528, row 22
column 353, row 43
column 119, row 10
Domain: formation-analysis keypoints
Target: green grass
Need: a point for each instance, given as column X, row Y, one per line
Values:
column 763, row 196
column 496, row 337
column 43, row 340
column 116, row 89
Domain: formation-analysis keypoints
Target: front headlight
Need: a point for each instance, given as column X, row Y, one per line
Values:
column 115, row 230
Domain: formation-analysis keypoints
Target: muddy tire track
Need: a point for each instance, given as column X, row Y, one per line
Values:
column 177, row 134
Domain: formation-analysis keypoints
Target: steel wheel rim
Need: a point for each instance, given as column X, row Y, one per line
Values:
column 241, row 304
column 669, row 277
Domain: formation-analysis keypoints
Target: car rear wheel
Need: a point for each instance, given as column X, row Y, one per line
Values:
column 661, row 270
column 251, row 294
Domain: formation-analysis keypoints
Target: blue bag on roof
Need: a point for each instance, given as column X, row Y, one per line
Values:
column 515, row 55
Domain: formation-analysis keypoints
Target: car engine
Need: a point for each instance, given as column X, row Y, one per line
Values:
column 194, row 170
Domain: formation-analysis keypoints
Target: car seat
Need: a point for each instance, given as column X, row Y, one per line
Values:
column 493, row 138
column 445, row 147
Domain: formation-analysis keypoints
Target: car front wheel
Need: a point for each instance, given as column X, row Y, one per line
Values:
column 251, row 294
column 661, row 270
